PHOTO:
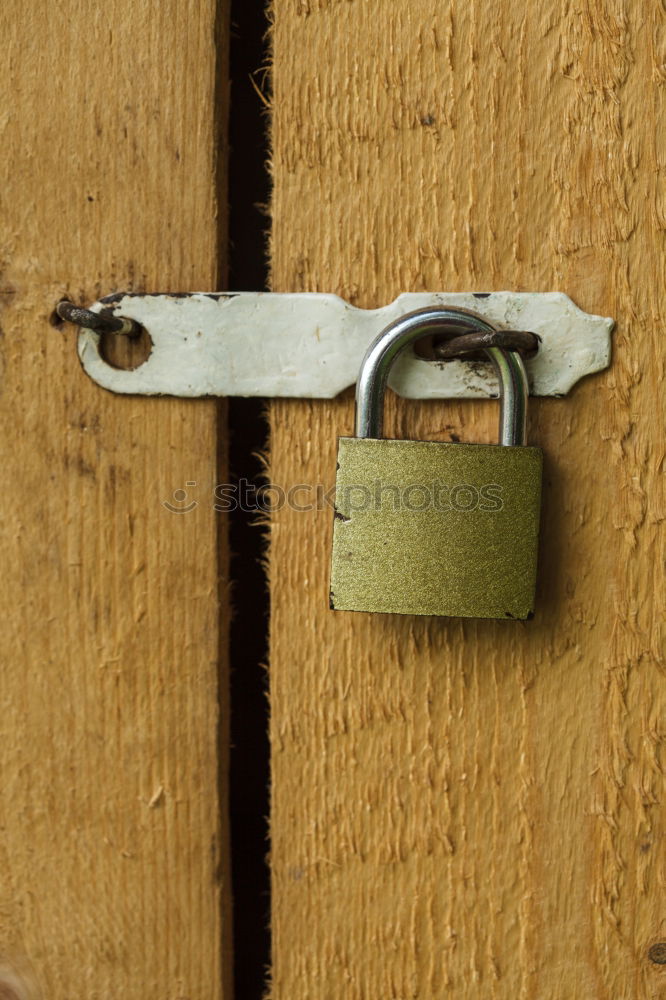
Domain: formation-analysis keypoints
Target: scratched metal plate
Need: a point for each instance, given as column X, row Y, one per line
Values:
column 311, row 345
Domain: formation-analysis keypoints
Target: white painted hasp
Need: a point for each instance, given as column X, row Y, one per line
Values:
column 311, row 345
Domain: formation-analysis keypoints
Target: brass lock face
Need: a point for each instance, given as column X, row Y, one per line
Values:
column 434, row 528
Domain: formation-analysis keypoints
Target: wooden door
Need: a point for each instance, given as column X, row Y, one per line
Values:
column 476, row 809
column 113, row 860
column 459, row 809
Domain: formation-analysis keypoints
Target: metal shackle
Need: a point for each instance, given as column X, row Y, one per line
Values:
column 379, row 358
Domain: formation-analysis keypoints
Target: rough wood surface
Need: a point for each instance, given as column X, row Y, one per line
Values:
column 113, row 876
column 476, row 810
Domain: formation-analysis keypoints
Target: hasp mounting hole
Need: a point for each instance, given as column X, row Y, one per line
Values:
column 126, row 353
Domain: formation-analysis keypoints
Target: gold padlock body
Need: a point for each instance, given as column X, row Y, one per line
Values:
column 433, row 528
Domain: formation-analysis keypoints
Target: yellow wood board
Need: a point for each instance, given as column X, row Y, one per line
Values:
column 476, row 810
column 112, row 853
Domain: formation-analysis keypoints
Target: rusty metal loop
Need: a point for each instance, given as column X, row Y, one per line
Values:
column 521, row 341
column 103, row 322
column 404, row 331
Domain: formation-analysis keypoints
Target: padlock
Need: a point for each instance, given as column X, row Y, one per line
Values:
column 431, row 527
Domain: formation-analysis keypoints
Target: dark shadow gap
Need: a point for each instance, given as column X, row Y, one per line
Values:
column 249, row 770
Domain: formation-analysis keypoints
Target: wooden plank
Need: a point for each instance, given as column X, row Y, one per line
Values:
column 467, row 809
column 111, row 838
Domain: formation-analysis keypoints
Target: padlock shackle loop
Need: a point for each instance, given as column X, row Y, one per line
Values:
column 384, row 350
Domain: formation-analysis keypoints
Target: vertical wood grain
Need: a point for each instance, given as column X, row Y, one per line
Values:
column 112, row 853
column 461, row 809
